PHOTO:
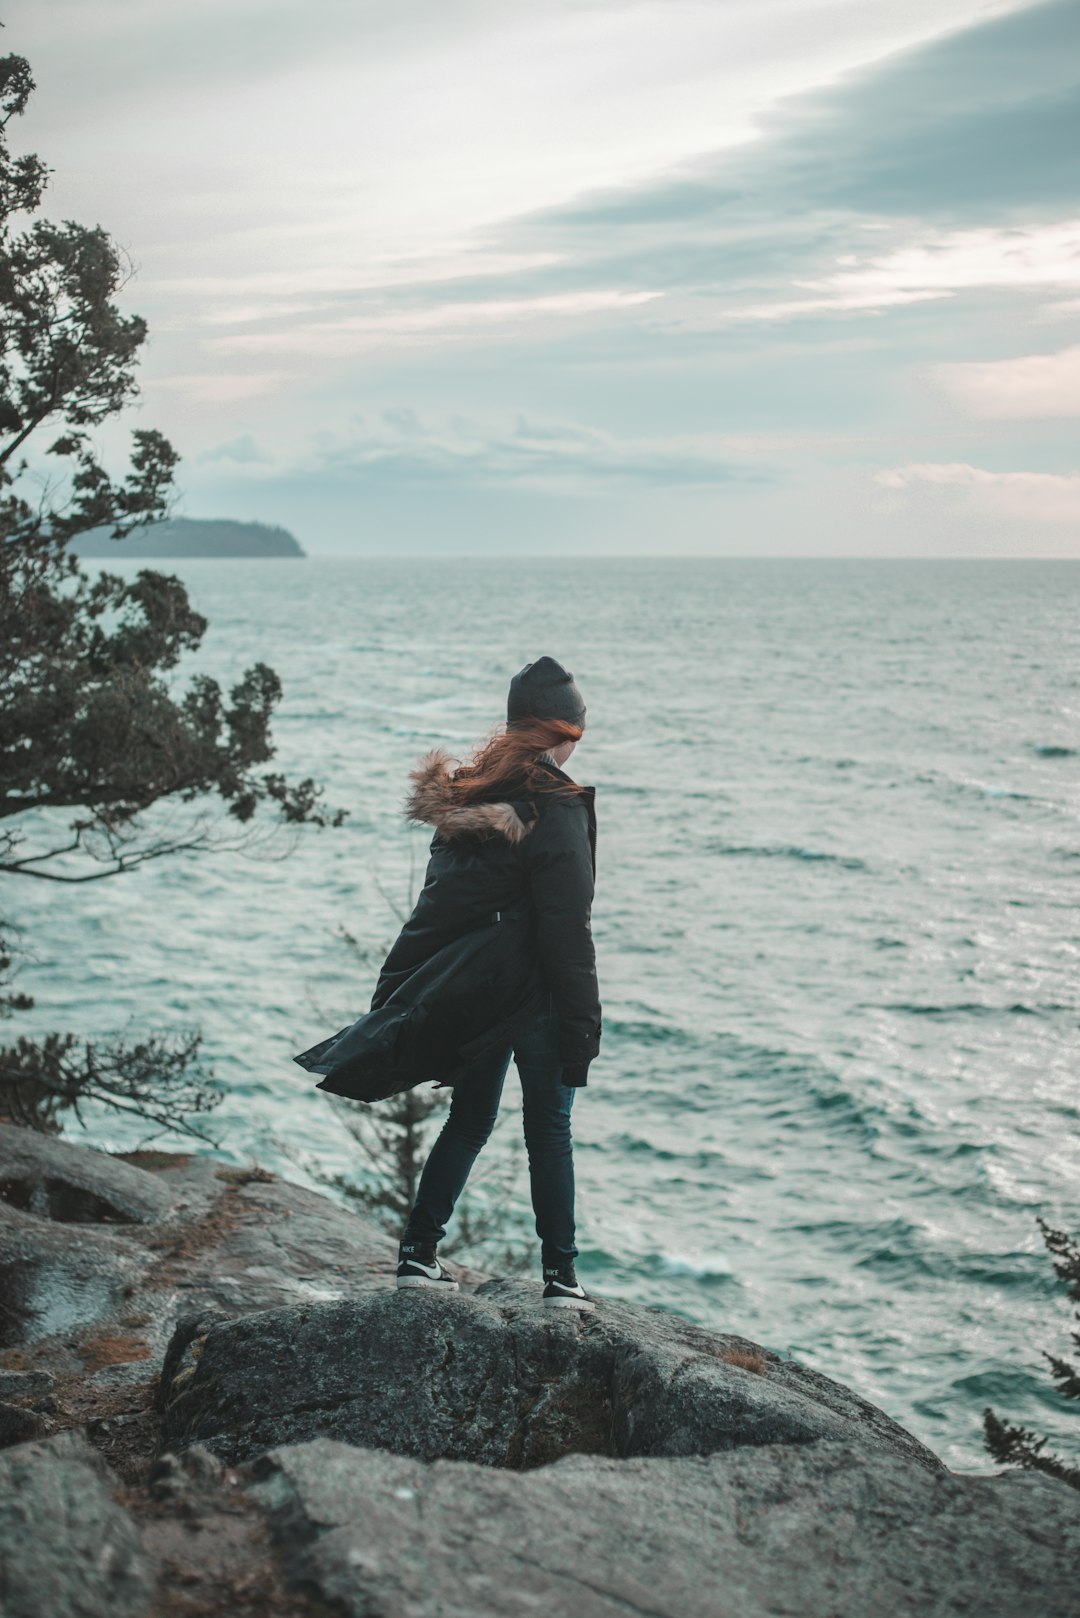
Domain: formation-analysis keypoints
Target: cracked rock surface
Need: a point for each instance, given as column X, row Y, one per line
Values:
column 821, row 1530
column 496, row 1378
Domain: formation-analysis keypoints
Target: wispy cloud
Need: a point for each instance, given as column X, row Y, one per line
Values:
column 947, row 169
column 402, row 445
column 937, row 265
column 268, row 292
column 1033, row 385
column 221, row 387
column 1043, row 497
column 436, row 323
column 242, row 451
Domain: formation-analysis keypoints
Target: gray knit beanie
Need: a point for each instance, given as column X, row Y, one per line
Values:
column 545, row 690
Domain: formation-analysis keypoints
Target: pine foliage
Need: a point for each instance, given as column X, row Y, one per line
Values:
column 91, row 724
column 1020, row 1446
column 104, row 762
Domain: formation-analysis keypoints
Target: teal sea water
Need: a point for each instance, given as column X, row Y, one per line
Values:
column 836, row 924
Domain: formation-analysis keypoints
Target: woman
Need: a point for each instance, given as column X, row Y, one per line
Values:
column 515, row 837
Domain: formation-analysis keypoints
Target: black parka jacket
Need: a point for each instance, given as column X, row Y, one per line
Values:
column 503, row 922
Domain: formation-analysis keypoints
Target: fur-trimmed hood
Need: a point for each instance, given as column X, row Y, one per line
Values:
column 431, row 802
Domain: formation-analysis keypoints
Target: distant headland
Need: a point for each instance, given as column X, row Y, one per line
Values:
column 191, row 536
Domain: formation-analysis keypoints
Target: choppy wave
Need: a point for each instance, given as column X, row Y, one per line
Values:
column 976, row 1008
column 707, row 1270
column 783, row 851
column 825, row 1112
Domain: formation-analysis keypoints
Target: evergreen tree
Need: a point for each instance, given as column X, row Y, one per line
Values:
column 93, row 735
column 1019, row 1446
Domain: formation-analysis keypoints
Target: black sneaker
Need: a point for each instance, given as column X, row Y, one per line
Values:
column 563, row 1290
column 419, row 1267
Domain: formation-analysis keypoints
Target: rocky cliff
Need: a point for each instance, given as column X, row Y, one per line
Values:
column 212, row 1401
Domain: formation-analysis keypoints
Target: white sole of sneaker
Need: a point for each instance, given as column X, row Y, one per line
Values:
column 569, row 1303
column 422, row 1281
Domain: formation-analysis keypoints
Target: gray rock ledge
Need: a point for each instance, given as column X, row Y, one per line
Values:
column 493, row 1377
column 823, row 1530
column 70, row 1185
column 633, row 1463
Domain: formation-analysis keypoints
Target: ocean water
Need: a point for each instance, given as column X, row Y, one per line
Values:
column 836, row 923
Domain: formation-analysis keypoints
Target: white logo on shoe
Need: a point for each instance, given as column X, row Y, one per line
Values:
column 433, row 1270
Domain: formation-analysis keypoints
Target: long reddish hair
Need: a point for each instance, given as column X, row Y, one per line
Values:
column 509, row 759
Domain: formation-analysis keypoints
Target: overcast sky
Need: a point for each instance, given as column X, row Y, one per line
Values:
column 697, row 276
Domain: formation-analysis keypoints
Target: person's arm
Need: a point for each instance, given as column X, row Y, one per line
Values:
column 561, row 883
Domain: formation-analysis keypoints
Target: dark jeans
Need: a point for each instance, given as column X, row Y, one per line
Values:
column 546, row 1104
